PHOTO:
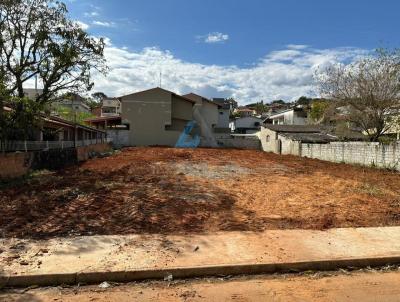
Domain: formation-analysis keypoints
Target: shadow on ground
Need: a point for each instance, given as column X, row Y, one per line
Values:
column 134, row 200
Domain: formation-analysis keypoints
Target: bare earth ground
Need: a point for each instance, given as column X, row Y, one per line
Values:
column 357, row 286
column 181, row 191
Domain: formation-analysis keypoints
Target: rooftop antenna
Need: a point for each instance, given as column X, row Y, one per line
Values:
column 160, row 78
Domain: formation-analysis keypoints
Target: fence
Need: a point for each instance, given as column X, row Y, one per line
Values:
column 364, row 153
column 25, row 146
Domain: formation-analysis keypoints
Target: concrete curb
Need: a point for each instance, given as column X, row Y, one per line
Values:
column 190, row 272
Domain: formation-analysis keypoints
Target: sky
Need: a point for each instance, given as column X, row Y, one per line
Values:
column 251, row 50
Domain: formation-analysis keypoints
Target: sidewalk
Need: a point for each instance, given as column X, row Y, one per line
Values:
column 127, row 258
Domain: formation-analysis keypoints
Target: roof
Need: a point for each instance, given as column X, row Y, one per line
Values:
column 222, row 102
column 189, row 95
column 161, row 89
column 64, row 122
column 103, row 118
column 244, row 110
column 310, row 137
column 276, row 114
column 248, row 117
column 294, row 128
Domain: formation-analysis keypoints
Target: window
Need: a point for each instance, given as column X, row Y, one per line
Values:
column 221, row 112
column 267, row 139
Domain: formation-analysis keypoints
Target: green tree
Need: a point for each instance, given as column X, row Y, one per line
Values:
column 38, row 40
column 318, row 111
column 96, row 99
column 99, row 96
column 20, row 119
column 303, row 100
column 73, row 116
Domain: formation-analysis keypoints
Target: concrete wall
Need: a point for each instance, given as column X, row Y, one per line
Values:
column 223, row 118
column 181, row 109
column 364, row 153
column 120, row 138
column 18, row 164
column 226, row 140
column 288, row 146
column 209, row 112
column 269, row 140
column 150, row 115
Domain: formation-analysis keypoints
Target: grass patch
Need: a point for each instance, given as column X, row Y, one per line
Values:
column 370, row 189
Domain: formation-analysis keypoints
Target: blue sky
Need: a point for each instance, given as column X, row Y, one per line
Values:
column 251, row 50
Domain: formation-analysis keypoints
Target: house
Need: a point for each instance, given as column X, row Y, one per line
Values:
column 246, row 125
column 224, row 112
column 75, row 102
column 293, row 116
column 286, row 139
column 55, row 132
column 244, row 112
column 207, row 109
column 155, row 116
column 111, row 107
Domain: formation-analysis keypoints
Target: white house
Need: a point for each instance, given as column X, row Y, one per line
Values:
column 246, row 125
column 293, row 116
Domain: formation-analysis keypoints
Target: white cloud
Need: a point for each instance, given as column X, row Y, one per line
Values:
column 297, row 46
column 83, row 25
column 104, row 23
column 215, row 37
column 284, row 74
column 91, row 14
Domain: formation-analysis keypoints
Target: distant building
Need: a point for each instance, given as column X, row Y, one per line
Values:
column 224, row 112
column 245, row 112
column 75, row 102
column 293, row 116
column 111, row 107
column 246, row 125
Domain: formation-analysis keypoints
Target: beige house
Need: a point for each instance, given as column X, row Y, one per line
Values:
column 155, row 116
column 207, row 108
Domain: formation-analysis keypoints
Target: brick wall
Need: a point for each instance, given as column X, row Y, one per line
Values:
column 364, row 153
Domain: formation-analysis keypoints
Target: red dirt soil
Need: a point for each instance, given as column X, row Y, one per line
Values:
column 176, row 191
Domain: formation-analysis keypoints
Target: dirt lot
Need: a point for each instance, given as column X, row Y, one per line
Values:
column 176, row 191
